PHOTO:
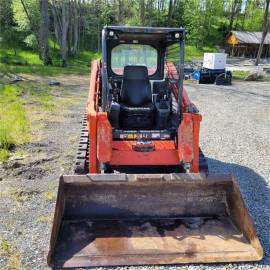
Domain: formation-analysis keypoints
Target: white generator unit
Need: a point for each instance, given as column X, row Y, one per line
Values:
column 214, row 60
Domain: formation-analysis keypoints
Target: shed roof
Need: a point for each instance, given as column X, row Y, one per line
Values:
column 250, row 37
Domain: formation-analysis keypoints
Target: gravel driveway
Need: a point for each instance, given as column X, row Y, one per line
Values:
column 234, row 137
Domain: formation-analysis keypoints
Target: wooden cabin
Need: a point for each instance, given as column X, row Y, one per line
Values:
column 246, row 44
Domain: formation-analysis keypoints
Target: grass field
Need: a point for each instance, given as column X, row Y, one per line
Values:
column 14, row 125
column 239, row 74
column 191, row 52
column 28, row 62
column 20, row 105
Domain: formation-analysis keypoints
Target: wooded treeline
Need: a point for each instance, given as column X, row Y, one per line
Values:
column 70, row 26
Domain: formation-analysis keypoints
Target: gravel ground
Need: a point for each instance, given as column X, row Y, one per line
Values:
column 28, row 186
column 235, row 134
column 234, row 137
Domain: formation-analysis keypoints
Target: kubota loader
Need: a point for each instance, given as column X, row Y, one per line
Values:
column 141, row 192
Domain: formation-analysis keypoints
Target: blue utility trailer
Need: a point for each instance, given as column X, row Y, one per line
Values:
column 217, row 76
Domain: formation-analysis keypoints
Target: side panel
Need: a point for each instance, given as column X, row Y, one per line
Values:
column 104, row 138
column 92, row 117
column 188, row 140
column 196, row 132
column 93, row 162
column 185, row 139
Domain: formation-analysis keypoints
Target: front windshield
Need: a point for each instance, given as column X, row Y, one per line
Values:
column 133, row 54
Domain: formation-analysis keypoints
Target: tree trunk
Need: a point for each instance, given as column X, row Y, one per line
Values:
column 44, row 33
column 236, row 7
column 61, row 25
column 150, row 11
column 266, row 25
column 65, row 23
column 142, row 12
column 120, row 11
column 75, row 29
column 244, row 15
column 170, row 13
column 56, row 23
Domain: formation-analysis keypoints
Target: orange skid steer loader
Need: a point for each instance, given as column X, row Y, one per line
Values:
column 141, row 192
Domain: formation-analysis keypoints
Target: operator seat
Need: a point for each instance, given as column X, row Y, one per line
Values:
column 136, row 107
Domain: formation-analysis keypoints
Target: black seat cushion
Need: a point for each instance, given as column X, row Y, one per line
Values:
column 137, row 117
column 136, row 88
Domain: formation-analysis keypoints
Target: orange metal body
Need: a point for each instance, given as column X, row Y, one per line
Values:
column 103, row 149
column 129, row 218
column 123, row 154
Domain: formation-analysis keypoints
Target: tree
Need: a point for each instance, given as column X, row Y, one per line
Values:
column 61, row 18
column 44, row 33
column 235, row 9
column 120, row 10
column 65, row 23
column 266, row 25
column 142, row 12
column 171, row 11
column 31, row 20
column 26, row 18
column 76, row 27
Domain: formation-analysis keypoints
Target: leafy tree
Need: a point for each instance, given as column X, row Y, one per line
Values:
column 26, row 15
column 9, row 36
column 75, row 25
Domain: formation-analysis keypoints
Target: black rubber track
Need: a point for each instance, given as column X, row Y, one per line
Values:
column 82, row 160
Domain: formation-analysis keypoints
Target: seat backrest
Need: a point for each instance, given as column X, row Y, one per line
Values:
column 136, row 87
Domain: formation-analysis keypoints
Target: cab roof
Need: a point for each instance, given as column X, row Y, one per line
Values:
column 144, row 34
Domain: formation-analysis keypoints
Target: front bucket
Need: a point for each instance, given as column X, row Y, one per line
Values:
column 126, row 219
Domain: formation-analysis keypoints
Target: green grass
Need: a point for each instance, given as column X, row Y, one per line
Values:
column 18, row 101
column 40, row 95
column 191, row 52
column 28, row 62
column 44, row 218
column 14, row 125
column 11, row 255
column 22, row 57
column 239, row 74
column 49, row 196
column 4, row 154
